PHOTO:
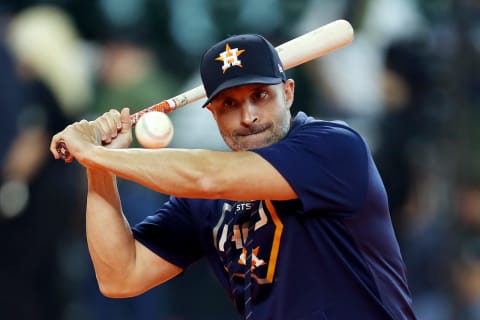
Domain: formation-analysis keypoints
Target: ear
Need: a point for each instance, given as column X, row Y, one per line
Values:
column 289, row 92
column 212, row 110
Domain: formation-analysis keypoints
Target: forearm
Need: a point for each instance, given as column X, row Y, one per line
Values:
column 188, row 173
column 177, row 172
column 110, row 241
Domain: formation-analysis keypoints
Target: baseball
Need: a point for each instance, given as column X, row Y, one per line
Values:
column 154, row 130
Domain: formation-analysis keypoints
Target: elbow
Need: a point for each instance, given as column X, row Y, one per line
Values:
column 116, row 290
column 108, row 293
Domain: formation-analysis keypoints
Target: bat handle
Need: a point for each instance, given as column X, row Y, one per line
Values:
column 64, row 153
column 166, row 106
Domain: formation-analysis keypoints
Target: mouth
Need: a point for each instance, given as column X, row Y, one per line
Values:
column 250, row 131
column 247, row 138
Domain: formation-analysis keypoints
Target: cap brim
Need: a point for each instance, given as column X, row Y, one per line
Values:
column 235, row 82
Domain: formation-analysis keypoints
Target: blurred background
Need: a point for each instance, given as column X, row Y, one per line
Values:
column 410, row 83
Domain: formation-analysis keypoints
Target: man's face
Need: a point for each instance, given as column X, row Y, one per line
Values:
column 253, row 116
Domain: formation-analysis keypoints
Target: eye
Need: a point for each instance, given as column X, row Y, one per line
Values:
column 224, row 103
column 229, row 103
column 260, row 96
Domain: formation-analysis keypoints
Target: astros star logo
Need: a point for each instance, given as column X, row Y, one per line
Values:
column 230, row 58
column 256, row 261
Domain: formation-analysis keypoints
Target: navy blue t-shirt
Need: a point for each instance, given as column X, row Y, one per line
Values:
column 330, row 254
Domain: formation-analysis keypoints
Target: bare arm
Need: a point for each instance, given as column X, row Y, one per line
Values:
column 196, row 173
column 123, row 266
column 240, row 175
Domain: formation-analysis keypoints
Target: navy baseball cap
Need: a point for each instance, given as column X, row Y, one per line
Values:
column 239, row 60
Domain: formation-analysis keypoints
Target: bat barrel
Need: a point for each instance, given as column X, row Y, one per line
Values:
column 316, row 43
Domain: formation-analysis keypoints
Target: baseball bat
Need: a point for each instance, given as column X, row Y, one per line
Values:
column 307, row 47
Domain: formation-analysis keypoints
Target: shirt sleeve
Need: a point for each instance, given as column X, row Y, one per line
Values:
column 171, row 233
column 325, row 163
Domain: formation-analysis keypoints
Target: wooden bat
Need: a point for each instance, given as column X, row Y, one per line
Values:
column 309, row 46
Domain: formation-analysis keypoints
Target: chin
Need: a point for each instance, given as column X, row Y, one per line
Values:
column 252, row 142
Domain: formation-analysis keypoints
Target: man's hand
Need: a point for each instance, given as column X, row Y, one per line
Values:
column 115, row 129
column 112, row 130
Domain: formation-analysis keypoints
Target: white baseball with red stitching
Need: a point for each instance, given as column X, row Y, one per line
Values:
column 154, row 130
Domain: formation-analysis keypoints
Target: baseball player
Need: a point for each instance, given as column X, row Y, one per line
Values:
column 294, row 223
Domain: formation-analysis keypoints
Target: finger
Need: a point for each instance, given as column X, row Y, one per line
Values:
column 116, row 116
column 125, row 121
column 101, row 124
column 116, row 122
column 107, row 126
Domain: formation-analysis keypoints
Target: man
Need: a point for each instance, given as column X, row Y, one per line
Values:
column 294, row 223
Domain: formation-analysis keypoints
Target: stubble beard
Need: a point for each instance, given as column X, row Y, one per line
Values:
column 257, row 136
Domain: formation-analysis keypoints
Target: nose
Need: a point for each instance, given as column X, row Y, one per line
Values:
column 249, row 115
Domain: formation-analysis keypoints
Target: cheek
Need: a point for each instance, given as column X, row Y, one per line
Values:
column 224, row 125
column 227, row 119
